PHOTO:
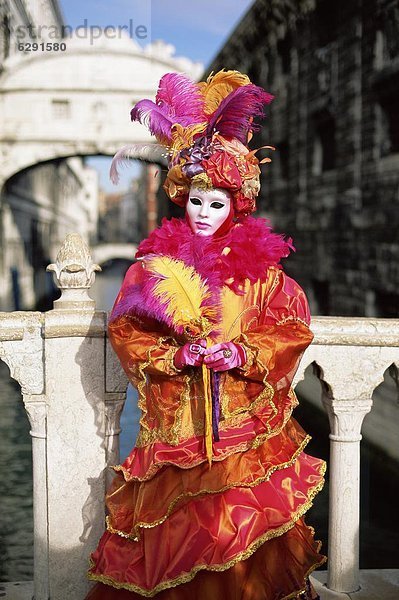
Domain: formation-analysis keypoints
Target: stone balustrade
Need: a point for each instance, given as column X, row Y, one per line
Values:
column 74, row 389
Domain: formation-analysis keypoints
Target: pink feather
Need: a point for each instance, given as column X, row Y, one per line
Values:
column 178, row 100
column 233, row 117
column 253, row 248
column 182, row 98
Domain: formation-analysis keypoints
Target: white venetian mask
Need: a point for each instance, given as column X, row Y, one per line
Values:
column 207, row 210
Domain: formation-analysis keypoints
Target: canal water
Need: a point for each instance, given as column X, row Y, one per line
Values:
column 379, row 531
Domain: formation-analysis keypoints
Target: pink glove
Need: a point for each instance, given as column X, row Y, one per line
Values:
column 190, row 354
column 225, row 356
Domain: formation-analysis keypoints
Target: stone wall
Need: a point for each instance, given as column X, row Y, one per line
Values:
column 333, row 184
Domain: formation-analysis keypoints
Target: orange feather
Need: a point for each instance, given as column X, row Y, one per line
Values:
column 220, row 85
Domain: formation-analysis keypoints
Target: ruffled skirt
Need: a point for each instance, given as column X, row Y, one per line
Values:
column 235, row 531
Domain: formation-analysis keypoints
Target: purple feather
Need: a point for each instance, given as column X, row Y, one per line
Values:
column 233, row 117
column 154, row 117
column 135, row 302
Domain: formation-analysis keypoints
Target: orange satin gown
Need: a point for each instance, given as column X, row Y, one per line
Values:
column 178, row 530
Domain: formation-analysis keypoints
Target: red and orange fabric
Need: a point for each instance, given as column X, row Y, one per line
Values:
column 175, row 528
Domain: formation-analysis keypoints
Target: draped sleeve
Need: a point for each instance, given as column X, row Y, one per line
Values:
column 140, row 342
column 275, row 343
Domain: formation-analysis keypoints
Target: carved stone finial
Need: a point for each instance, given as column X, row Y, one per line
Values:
column 74, row 273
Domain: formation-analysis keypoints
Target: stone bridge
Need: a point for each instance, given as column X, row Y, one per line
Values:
column 104, row 252
column 77, row 102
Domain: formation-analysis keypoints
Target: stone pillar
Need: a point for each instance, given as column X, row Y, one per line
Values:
column 22, row 349
column 74, row 335
column 113, row 409
column 37, row 413
column 346, row 418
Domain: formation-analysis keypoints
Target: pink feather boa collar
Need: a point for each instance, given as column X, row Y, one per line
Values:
column 253, row 247
column 244, row 252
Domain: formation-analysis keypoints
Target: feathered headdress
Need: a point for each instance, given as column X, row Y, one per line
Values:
column 205, row 128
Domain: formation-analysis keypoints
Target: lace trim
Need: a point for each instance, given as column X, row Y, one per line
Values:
column 221, row 567
column 135, row 534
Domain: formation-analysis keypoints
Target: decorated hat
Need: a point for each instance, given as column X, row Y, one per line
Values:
column 205, row 129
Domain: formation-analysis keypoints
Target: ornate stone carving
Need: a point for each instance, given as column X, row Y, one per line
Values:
column 346, row 418
column 37, row 413
column 74, row 273
column 21, row 349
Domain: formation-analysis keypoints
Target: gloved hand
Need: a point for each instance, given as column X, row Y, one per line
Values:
column 190, row 354
column 225, row 356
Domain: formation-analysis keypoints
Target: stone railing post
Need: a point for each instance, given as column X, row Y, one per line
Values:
column 352, row 355
column 74, row 390
column 37, row 414
column 22, row 349
column 82, row 421
column 346, row 418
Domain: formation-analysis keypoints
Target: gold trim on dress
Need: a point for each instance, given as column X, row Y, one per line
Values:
column 221, row 567
column 250, row 444
column 292, row 318
column 267, row 385
column 135, row 534
column 296, row 595
column 146, row 435
column 242, row 313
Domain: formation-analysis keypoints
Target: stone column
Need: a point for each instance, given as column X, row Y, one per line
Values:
column 37, row 413
column 346, row 418
column 21, row 348
column 113, row 409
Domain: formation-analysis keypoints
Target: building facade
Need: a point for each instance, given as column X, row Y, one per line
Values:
column 333, row 185
column 130, row 215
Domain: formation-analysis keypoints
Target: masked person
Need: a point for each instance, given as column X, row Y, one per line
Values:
column 210, row 503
